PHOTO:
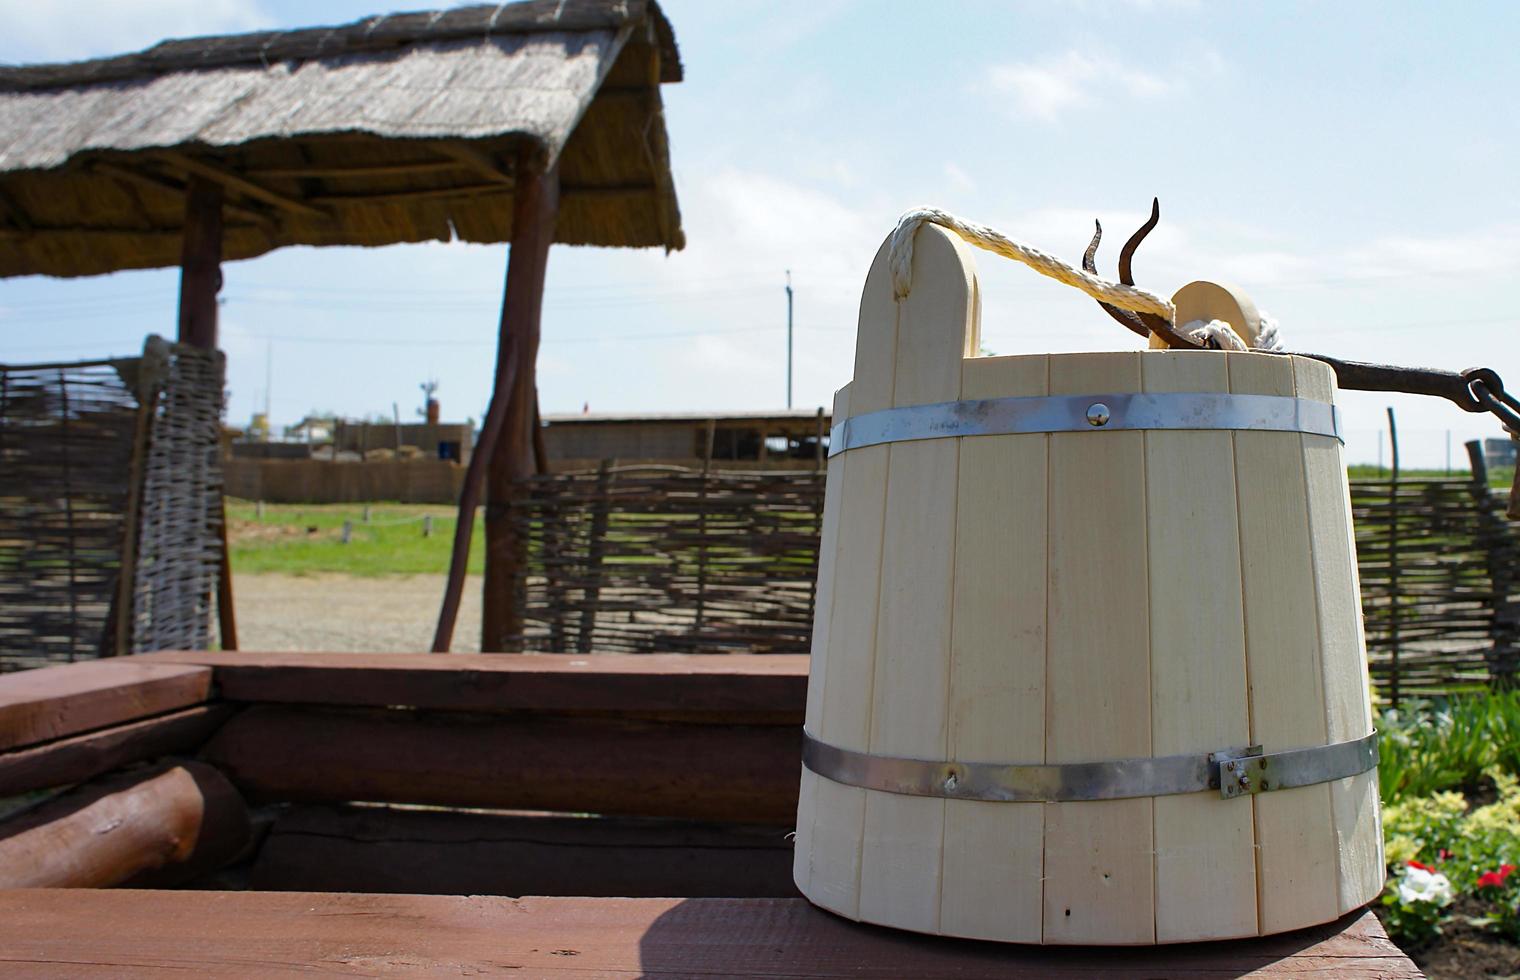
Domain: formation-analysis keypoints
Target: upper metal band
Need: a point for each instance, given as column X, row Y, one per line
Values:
column 1078, row 413
column 1233, row 772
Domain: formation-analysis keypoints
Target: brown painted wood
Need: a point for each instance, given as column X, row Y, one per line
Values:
column 159, row 827
column 199, row 169
column 527, row 762
column 442, row 852
column 200, row 277
column 83, row 757
column 751, row 689
column 535, row 208
column 248, row 934
column 53, row 702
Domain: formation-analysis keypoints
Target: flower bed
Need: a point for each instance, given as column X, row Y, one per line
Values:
column 1450, row 780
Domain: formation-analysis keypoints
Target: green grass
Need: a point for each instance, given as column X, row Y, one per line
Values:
column 306, row 539
column 1499, row 477
column 1447, row 743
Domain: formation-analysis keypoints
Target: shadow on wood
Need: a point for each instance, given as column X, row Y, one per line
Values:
column 435, row 852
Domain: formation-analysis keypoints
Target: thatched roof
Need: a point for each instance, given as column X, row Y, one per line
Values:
column 394, row 129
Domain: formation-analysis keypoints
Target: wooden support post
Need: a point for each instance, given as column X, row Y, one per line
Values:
column 200, row 264
column 200, row 279
column 534, row 209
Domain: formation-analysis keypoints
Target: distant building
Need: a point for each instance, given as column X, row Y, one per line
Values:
column 1499, row 452
column 785, row 439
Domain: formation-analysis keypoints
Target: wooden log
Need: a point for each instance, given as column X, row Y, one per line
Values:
column 252, row 934
column 160, row 827
column 83, row 757
column 441, row 852
column 535, row 207
column 752, row 689
column 53, row 702
column 200, row 263
column 574, row 765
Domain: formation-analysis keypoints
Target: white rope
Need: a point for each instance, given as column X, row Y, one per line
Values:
column 1112, row 293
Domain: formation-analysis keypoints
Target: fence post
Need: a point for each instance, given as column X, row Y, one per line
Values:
column 594, row 549
column 1393, row 563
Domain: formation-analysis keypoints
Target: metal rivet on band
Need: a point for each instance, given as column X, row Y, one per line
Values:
column 1097, row 414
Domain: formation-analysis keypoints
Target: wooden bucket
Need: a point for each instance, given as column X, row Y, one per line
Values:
column 995, row 609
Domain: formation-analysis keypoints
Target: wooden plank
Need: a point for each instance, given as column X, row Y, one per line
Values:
column 937, row 326
column 52, row 702
column 1353, row 801
column 235, row 182
column 433, row 852
column 1205, row 854
column 243, row 934
column 82, row 757
column 1099, row 874
column 514, row 397
column 164, row 826
column 570, row 765
column 1295, row 841
column 823, row 611
column 845, row 718
column 756, row 689
column 993, row 858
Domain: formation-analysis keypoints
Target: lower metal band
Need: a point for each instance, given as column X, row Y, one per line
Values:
column 1086, row 413
column 1232, row 772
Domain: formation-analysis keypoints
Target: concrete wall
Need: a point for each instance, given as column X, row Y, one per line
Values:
column 314, row 481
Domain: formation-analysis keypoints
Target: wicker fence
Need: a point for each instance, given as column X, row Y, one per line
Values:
column 644, row 559
column 105, row 465
column 662, row 558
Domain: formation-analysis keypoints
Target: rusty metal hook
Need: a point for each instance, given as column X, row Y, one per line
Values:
column 1143, row 324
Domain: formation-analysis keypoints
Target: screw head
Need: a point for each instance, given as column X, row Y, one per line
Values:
column 1097, row 414
column 1245, row 782
column 950, row 783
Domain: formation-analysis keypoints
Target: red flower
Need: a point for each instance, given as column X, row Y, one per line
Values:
column 1422, row 867
column 1444, row 854
column 1496, row 879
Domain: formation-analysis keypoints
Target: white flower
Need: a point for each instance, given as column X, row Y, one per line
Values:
column 1419, row 885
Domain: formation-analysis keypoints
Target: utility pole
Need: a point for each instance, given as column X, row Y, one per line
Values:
column 789, row 338
column 268, row 386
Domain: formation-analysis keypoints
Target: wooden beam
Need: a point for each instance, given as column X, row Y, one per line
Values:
column 477, row 161
column 420, row 194
column 518, row 762
column 752, row 689
column 161, row 827
column 448, row 852
column 535, row 208
column 328, row 172
column 55, row 702
column 83, row 757
column 259, row 934
column 174, row 187
column 200, row 276
column 240, row 184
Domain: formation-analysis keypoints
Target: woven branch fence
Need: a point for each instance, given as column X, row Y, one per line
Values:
column 646, row 559
column 660, row 558
column 106, row 465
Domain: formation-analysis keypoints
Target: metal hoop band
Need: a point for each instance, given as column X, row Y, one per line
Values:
column 1086, row 413
column 1233, row 772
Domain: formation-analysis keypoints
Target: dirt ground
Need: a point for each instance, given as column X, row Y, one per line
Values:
column 343, row 613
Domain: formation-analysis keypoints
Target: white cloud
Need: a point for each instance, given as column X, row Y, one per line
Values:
column 959, row 179
column 1049, row 87
column 58, row 30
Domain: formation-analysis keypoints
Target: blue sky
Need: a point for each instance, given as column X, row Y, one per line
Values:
column 1350, row 165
